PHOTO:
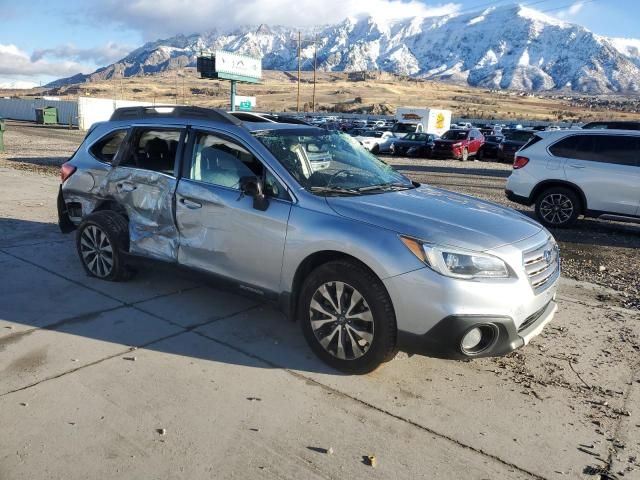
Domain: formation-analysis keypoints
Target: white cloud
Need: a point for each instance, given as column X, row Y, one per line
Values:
column 15, row 63
column 100, row 55
column 162, row 18
column 17, row 84
column 571, row 11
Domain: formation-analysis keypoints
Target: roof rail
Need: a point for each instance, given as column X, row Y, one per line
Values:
column 173, row 111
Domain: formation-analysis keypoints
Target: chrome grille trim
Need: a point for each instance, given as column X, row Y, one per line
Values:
column 542, row 265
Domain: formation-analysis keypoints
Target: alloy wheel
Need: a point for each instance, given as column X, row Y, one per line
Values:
column 96, row 250
column 341, row 320
column 556, row 208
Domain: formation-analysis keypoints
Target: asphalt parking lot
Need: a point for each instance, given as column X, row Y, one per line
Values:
column 168, row 376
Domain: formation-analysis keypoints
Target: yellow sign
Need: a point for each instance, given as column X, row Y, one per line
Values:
column 439, row 121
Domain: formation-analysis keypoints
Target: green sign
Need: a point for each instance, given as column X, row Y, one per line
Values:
column 245, row 106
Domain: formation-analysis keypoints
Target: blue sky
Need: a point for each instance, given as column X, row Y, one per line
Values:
column 42, row 40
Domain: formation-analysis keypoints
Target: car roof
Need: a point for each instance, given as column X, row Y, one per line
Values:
column 589, row 131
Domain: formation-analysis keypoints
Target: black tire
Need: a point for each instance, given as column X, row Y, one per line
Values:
column 558, row 207
column 375, row 150
column 116, row 230
column 382, row 347
column 480, row 155
column 465, row 155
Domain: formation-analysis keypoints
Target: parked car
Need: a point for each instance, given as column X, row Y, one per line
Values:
column 489, row 148
column 568, row 173
column 364, row 259
column 413, row 145
column 458, row 144
column 511, row 143
column 612, row 125
column 372, row 139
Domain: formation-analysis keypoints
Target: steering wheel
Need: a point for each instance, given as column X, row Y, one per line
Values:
column 344, row 170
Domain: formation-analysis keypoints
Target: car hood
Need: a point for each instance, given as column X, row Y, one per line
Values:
column 439, row 216
column 449, row 142
column 408, row 142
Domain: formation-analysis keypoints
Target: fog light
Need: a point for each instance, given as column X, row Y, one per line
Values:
column 472, row 339
column 479, row 339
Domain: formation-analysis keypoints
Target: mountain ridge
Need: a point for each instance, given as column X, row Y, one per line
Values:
column 508, row 47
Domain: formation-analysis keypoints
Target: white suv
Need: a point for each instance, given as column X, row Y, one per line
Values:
column 568, row 173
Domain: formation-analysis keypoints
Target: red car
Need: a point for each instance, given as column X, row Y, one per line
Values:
column 458, row 144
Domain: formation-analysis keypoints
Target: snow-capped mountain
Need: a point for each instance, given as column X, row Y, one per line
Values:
column 509, row 47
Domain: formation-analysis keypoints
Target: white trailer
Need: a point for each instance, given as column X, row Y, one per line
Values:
column 428, row 120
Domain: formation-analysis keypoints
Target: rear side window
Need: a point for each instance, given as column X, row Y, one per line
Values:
column 532, row 141
column 579, row 147
column 617, row 149
column 106, row 148
column 153, row 149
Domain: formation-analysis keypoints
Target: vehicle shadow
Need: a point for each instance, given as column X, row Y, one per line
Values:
column 162, row 308
column 39, row 161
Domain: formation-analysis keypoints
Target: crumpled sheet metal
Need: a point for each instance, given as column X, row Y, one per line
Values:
column 149, row 206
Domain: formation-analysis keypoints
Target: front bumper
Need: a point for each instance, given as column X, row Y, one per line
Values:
column 447, row 152
column 445, row 338
column 434, row 312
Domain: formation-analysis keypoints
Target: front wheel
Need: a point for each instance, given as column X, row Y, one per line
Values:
column 375, row 150
column 558, row 207
column 465, row 155
column 347, row 318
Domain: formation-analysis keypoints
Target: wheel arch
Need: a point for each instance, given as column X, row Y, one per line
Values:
column 539, row 188
column 113, row 205
column 310, row 263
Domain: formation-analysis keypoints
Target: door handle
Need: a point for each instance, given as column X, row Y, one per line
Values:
column 126, row 187
column 576, row 166
column 190, row 203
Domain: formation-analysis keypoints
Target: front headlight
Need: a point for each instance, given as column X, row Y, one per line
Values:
column 457, row 263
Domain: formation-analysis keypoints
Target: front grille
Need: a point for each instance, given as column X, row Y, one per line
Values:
column 542, row 265
column 531, row 319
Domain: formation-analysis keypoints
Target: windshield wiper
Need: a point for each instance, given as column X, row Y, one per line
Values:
column 385, row 187
column 342, row 191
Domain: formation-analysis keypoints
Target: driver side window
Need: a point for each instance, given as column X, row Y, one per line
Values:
column 222, row 162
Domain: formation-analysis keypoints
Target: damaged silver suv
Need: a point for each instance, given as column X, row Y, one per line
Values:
column 365, row 260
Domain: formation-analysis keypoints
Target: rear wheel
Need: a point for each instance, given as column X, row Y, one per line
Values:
column 480, row 155
column 375, row 150
column 347, row 317
column 558, row 207
column 101, row 240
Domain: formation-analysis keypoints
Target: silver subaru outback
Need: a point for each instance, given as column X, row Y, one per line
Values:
column 367, row 261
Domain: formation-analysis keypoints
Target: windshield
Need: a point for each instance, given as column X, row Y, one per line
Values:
column 519, row 136
column 417, row 137
column 455, row 135
column 330, row 162
column 493, row 139
column 404, row 128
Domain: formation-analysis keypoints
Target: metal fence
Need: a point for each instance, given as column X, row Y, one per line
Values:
column 19, row 109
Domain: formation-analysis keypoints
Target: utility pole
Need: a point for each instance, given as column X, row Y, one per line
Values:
column 299, row 68
column 184, row 101
column 176, row 86
column 233, row 95
column 315, row 67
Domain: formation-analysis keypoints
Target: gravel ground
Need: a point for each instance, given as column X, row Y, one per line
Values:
column 604, row 253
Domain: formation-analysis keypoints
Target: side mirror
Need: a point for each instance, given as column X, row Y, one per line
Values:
column 253, row 187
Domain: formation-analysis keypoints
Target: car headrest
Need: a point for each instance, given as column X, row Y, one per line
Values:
column 156, row 147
